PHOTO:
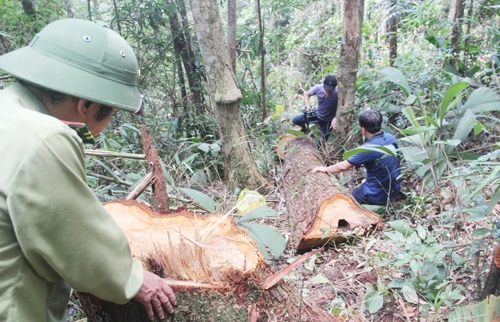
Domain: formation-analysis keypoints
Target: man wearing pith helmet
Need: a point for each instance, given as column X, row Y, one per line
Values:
column 54, row 233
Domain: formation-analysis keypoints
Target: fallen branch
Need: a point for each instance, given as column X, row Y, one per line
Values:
column 110, row 179
column 102, row 153
column 273, row 280
column 141, row 186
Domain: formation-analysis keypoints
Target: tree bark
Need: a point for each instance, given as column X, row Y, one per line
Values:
column 29, row 7
column 348, row 66
column 262, row 59
column 455, row 16
column 240, row 167
column 492, row 282
column 160, row 196
column 225, row 262
column 318, row 206
column 231, row 31
column 189, row 61
column 69, row 11
column 392, row 33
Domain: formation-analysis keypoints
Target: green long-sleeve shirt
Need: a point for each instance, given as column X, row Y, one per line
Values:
column 54, row 233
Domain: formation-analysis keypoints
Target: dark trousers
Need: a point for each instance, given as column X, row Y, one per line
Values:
column 323, row 126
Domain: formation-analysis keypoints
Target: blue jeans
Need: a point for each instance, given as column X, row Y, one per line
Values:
column 324, row 127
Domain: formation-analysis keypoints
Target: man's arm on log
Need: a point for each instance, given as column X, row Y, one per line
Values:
column 336, row 168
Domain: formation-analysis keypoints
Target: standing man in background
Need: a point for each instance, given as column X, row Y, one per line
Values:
column 325, row 110
column 54, row 233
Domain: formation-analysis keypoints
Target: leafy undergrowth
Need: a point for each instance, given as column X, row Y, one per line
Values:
column 426, row 260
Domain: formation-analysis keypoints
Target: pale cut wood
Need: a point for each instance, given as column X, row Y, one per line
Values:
column 282, row 143
column 223, row 274
column 318, row 206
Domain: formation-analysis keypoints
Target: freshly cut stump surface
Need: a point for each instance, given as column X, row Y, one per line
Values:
column 214, row 268
column 317, row 204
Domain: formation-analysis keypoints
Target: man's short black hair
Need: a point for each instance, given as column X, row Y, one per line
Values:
column 371, row 120
column 55, row 97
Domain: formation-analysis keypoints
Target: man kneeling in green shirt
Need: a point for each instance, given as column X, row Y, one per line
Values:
column 54, row 233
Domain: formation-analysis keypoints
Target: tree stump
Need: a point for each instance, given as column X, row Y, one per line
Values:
column 214, row 268
column 318, row 206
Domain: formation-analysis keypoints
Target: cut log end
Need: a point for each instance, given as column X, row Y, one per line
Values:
column 179, row 246
column 337, row 215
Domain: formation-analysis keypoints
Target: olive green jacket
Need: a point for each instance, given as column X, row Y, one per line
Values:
column 54, row 233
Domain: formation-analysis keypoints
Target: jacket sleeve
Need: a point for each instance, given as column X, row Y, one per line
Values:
column 63, row 230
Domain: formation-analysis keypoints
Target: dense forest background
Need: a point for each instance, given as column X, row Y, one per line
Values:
column 430, row 67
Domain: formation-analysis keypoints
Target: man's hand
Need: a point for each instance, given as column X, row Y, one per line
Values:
column 308, row 108
column 319, row 169
column 155, row 293
column 334, row 123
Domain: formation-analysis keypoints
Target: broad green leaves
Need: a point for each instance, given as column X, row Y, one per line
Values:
column 199, row 197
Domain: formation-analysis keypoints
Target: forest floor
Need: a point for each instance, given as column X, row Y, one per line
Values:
column 338, row 279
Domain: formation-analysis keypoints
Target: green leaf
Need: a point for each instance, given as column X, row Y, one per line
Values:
column 480, row 232
column 478, row 127
column 410, row 294
column 167, row 175
column 484, row 311
column 375, row 303
column 394, row 75
column 450, row 95
column 481, row 100
column 205, row 147
column 260, row 244
column 421, row 129
column 389, row 150
column 319, row 279
column 414, row 266
column 465, row 126
column 493, row 175
column 410, row 100
column 401, row 226
column 268, row 236
column 422, row 233
column 259, row 212
column 200, row 198
column 297, row 133
column 494, row 199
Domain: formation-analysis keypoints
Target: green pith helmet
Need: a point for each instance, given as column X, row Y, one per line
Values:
column 82, row 59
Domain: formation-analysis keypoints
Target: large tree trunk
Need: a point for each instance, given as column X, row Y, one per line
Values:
column 348, row 66
column 455, row 17
column 231, row 31
column 223, row 260
column 240, row 168
column 318, row 206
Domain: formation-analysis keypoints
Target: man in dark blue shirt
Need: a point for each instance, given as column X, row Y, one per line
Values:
column 326, row 108
column 382, row 170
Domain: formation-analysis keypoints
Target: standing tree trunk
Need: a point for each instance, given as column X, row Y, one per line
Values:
column 231, row 31
column 240, row 168
column 179, row 45
column 189, row 61
column 67, row 5
column 29, row 7
column 392, row 32
column 455, row 16
column 348, row 66
column 467, row 39
column 262, row 58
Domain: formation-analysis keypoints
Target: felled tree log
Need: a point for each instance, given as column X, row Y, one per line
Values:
column 318, row 206
column 214, row 268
